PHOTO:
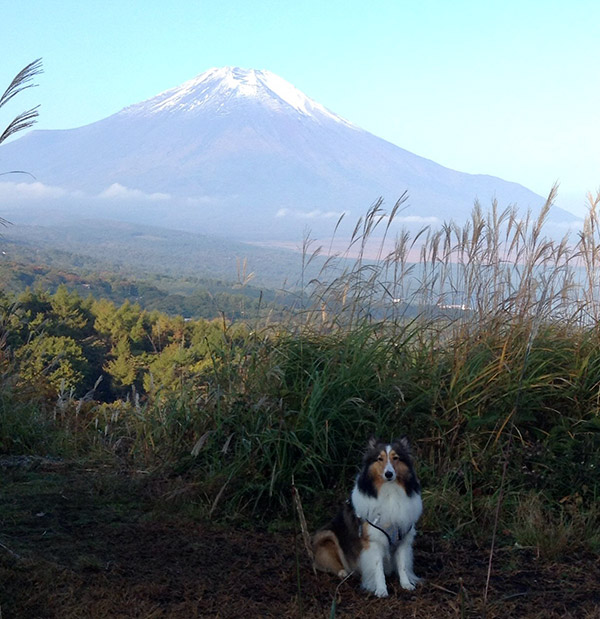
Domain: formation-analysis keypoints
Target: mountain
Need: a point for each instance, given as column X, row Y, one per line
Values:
column 240, row 153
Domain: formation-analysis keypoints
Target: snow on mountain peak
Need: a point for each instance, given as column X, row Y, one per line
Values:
column 215, row 87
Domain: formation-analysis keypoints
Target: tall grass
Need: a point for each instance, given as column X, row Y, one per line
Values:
column 480, row 342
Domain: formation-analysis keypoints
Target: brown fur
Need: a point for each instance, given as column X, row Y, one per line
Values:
column 337, row 546
column 376, row 469
column 328, row 554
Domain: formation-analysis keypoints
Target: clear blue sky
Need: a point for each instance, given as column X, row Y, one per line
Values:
column 507, row 88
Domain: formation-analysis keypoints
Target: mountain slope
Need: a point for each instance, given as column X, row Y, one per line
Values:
column 243, row 153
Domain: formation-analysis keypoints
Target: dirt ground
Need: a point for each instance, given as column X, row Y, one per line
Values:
column 77, row 543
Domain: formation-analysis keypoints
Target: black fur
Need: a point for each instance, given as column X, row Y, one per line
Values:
column 364, row 481
column 346, row 527
column 402, row 448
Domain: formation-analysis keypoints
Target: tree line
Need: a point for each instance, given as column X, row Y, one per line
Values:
column 62, row 343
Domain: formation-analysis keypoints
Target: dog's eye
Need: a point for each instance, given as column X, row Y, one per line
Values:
column 380, row 459
column 395, row 458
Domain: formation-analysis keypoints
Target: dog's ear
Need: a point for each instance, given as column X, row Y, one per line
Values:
column 372, row 442
column 403, row 440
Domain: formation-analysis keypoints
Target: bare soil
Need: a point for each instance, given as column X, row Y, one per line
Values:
column 81, row 543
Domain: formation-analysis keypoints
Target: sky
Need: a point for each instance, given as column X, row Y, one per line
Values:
column 510, row 89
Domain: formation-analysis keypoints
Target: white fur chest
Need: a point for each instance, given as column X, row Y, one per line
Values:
column 391, row 508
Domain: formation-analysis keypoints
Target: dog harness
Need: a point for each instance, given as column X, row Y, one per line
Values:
column 394, row 534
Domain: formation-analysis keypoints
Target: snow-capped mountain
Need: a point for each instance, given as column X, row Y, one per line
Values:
column 242, row 153
column 219, row 90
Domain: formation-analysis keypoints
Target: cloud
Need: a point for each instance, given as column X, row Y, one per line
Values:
column 30, row 191
column 120, row 192
column 417, row 219
column 314, row 214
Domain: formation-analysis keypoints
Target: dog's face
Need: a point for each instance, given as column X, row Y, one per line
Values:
column 389, row 463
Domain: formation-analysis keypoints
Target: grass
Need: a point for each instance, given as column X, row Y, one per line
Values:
column 479, row 342
column 553, row 532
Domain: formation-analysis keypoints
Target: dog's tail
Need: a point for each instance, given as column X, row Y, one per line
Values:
column 329, row 556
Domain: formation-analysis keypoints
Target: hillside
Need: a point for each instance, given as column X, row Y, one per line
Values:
column 146, row 250
column 188, row 296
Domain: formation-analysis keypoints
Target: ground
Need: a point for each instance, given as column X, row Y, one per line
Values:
column 77, row 542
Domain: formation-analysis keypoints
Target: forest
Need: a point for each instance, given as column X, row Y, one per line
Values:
column 188, row 296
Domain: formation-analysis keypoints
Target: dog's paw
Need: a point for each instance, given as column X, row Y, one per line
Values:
column 409, row 581
column 380, row 592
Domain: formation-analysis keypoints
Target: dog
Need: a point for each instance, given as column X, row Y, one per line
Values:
column 374, row 531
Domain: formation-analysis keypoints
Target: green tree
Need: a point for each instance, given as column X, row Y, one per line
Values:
column 167, row 330
column 122, row 367
column 114, row 323
column 52, row 362
column 69, row 313
column 170, row 368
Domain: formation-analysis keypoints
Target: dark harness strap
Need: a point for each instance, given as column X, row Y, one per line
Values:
column 393, row 543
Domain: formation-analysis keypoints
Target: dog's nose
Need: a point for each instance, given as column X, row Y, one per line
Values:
column 389, row 474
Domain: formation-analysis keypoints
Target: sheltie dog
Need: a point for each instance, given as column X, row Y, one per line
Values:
column 373, row 533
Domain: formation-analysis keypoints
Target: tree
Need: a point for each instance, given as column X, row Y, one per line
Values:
column 68, row 312
column 122, row 367
column 52, row 363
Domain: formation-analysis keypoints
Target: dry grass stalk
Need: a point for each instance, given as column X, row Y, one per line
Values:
column 303, row 525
